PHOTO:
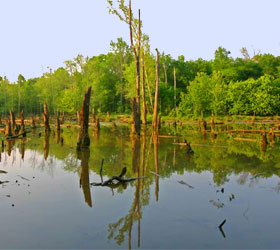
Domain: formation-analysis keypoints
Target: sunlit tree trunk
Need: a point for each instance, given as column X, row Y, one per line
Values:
column 137, row 116
column 144, row 121
column 83, row 139
column 155, row 117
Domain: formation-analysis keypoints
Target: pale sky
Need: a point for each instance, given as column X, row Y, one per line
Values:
column 40, row 33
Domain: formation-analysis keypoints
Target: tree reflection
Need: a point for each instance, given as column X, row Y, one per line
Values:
column 84, row 156
column 46, row 145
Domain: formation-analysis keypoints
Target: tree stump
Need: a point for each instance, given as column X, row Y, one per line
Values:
column 46, row 119
column 83, row 139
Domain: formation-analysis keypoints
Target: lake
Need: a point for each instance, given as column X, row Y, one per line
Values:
column 48, row 200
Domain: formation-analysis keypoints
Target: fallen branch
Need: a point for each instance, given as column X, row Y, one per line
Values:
column 119, row 179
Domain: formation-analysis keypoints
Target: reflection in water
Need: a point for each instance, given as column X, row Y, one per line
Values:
column 22, row 148
column 84, row 156
column 46, row 145
column 125, row 224
column 58, row 136
column 9, row 145
column 155, row 139
column 135, row 145
column 219, row 161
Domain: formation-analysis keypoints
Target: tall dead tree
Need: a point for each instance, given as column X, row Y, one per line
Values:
column 155, row 117
column 46, row 119
column 144, row 119
column 83, row 139
column 136, row 54
column 175, row 87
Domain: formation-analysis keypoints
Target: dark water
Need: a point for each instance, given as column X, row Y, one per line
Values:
column 49, row 202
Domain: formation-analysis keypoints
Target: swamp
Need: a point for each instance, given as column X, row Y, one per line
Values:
column 192, row 188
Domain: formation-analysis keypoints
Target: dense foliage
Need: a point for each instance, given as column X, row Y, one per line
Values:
column 221, row 86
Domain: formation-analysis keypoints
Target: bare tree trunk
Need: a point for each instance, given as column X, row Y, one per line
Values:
column 143, row 91
column 175, row 83
column 137, row 67
column 13, row 122
column 165, row 70
column 155, row 117
column 46, row 119
column 83, row 140
column 149, row 91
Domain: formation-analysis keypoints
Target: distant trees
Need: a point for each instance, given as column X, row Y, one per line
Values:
column 236, row 86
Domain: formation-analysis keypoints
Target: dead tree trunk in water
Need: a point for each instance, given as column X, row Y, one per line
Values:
column 83, row 140
column 144, row 121
column 46, row 119
column 175, row 87
column 155, row 117
column 13, row 122
column 136, row 116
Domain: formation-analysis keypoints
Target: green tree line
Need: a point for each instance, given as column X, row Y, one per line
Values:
column 224, row 85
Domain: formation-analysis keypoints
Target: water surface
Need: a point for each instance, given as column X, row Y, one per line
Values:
column 49, row 202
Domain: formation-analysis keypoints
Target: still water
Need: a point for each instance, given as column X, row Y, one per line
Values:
column 48, row 201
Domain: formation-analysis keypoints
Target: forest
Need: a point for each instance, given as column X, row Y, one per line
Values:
column 241, row 86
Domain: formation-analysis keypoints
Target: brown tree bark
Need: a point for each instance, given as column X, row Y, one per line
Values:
column 83, row 139
column 144, row 118
column 155, row 117
column 46, row 119
column 175, row 88
column 136, row 53
column 13, row 122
